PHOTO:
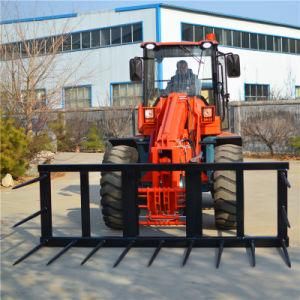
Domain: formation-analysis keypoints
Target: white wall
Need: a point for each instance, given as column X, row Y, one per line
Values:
column 86, row 21
column 259, row 67
column 280, row 71
column 102, row 66
column 171, row 24
column 98, row 67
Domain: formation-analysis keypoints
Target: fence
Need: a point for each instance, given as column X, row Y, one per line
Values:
column 118, row 121
column 121, row 121
column 114, row 121
column 240, row 111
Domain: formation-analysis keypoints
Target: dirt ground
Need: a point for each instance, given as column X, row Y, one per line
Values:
column 166, row 279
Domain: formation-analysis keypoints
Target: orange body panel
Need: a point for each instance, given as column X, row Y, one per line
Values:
column 176, row 127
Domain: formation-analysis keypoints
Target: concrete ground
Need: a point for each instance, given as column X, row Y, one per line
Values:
column 166, row 279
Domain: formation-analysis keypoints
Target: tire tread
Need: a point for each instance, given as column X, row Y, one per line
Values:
column 111, row 185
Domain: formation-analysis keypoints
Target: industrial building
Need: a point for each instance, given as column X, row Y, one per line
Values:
column 98, row 45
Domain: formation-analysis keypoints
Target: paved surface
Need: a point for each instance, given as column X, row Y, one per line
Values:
column 65, row 279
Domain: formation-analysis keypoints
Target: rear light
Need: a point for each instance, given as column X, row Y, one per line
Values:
column 149, row 113
column 208, row 114
column 210, row 36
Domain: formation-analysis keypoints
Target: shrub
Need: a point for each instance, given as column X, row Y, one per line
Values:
column 38, row 143
column 76, row 132
column 295, row 143
column 14, row 143
column 94, row 140
column 63, row 136
column 116, row 122
column 269, row 128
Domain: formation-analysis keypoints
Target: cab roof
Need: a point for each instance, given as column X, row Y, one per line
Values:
column 166, row 44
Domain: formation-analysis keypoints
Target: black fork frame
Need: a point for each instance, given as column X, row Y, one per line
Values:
column 132, row 238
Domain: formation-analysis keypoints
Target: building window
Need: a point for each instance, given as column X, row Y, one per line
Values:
column 58, row 44
column 49, row 45
column 241, row 39
column 277, row 43
column 116, row 35
column 95, row 38
column 245, row 40
column 137, row 32
column 297, row 92
column 237, row 39
column 126, row 34
column 37, row 47
column 76, row 41
column 36, row 97
column 270, row 45
column 77, row 97
column 67, row 42
column 253, row 41
column 255, row 92
column 298, row 46
column 40, row 96
column 105, row 37
column 24, row 49
column 285, row 45
column 199, row 33
column 292, row 46
column 219, row 35
column 86, row 39
column 262, row 42
column 187, row 32
column 227, row 37
column 208, row 30
column 127, row 94
column 10, row 51
column 3, row 50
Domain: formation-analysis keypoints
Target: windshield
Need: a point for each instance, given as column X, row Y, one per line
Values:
column 182, row 70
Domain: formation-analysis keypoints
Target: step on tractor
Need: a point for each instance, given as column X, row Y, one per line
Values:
column 158, row 178
column 183, row 119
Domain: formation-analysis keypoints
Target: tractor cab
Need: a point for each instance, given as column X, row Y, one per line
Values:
column 192, row 68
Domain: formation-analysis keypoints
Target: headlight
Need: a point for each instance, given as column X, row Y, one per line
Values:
column 208, row 114
column 206, row 45
column 150, row 46
column 149, row 113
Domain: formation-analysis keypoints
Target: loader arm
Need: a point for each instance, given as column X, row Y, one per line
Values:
column 173, row 127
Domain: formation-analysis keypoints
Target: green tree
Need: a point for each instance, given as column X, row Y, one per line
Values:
column 38, row 143
column 295, row 143
column 64, row 142
column 14, row 151
column 94, row 141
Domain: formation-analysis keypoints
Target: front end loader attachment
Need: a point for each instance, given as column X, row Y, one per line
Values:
column 131, row 237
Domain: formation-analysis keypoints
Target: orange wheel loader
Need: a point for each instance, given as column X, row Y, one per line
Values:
column 183, row 119
column 183, row 149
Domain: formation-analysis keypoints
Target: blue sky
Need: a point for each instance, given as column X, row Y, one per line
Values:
column 287, row 12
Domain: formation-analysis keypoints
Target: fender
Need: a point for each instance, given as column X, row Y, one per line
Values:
column 141, row 143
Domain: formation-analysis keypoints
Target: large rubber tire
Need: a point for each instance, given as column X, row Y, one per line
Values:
column 225, row 187
column 111, row 185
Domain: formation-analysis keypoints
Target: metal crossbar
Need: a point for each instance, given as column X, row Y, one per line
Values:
column 131, row 237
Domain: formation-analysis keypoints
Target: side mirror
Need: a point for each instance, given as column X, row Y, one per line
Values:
column 136, row 69
column 233, row 65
